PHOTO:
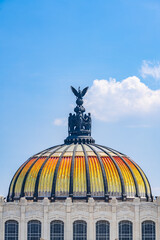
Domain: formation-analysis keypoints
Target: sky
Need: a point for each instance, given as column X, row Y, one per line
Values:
column 111, row 46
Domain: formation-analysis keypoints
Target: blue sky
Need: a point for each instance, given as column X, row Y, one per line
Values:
column 46, row 46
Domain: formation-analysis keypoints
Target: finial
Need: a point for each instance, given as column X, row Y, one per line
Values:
column 79, row 124
column 79, row 93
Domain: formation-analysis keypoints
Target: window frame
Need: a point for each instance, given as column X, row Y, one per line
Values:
column 153, row 227
column 7, row 234
column 80, row 236
column 55, row 235
column 105, row 235
column 123, row 236
column 29, row 234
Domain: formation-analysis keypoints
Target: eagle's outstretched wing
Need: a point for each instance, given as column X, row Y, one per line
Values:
column 74, row 91
column 84, row 91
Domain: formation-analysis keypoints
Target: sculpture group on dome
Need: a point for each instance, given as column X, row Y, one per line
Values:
column 79, row 124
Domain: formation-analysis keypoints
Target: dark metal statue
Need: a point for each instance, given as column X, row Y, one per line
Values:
column 79, row 124
column 79, row 93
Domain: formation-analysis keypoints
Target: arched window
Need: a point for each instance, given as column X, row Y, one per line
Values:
column 148, row 230
column 56, row 230
column 79, row 230
column 34, row 230
column 11, row 230
column 102, row 230
column 125, row 230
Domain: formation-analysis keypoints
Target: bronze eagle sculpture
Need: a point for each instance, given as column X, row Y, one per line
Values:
column 79, row 93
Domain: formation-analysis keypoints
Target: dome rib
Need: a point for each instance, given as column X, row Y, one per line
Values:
column 135, row 181
column 117, row 167
column 146, row 190
column 140, row 172
column 40, row 171
column 87, row 172
column 55, row 174
column 27, row 173
column 71, row 171
column 148, row 184
column 103, row 173
column 15, row 181
column 14, row 185
column 114, row 150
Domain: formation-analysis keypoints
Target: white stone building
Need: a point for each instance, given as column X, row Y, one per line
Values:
column 79, row 191
column 92, row 212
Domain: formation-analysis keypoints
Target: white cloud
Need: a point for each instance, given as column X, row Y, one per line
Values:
column 112, row 100
column 150, row 69
column 60, row 122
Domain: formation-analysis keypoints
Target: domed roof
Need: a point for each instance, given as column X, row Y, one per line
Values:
column 79, row 171
column 79, row 168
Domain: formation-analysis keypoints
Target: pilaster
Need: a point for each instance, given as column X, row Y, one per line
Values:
column 136, row 225
column 22, row 229
column 68, row 225
column 45, row 219
column 114, row 227
column 91, row 227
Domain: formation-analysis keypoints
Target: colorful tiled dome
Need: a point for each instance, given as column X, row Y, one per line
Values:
column 79, row 168
column 79, row 171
